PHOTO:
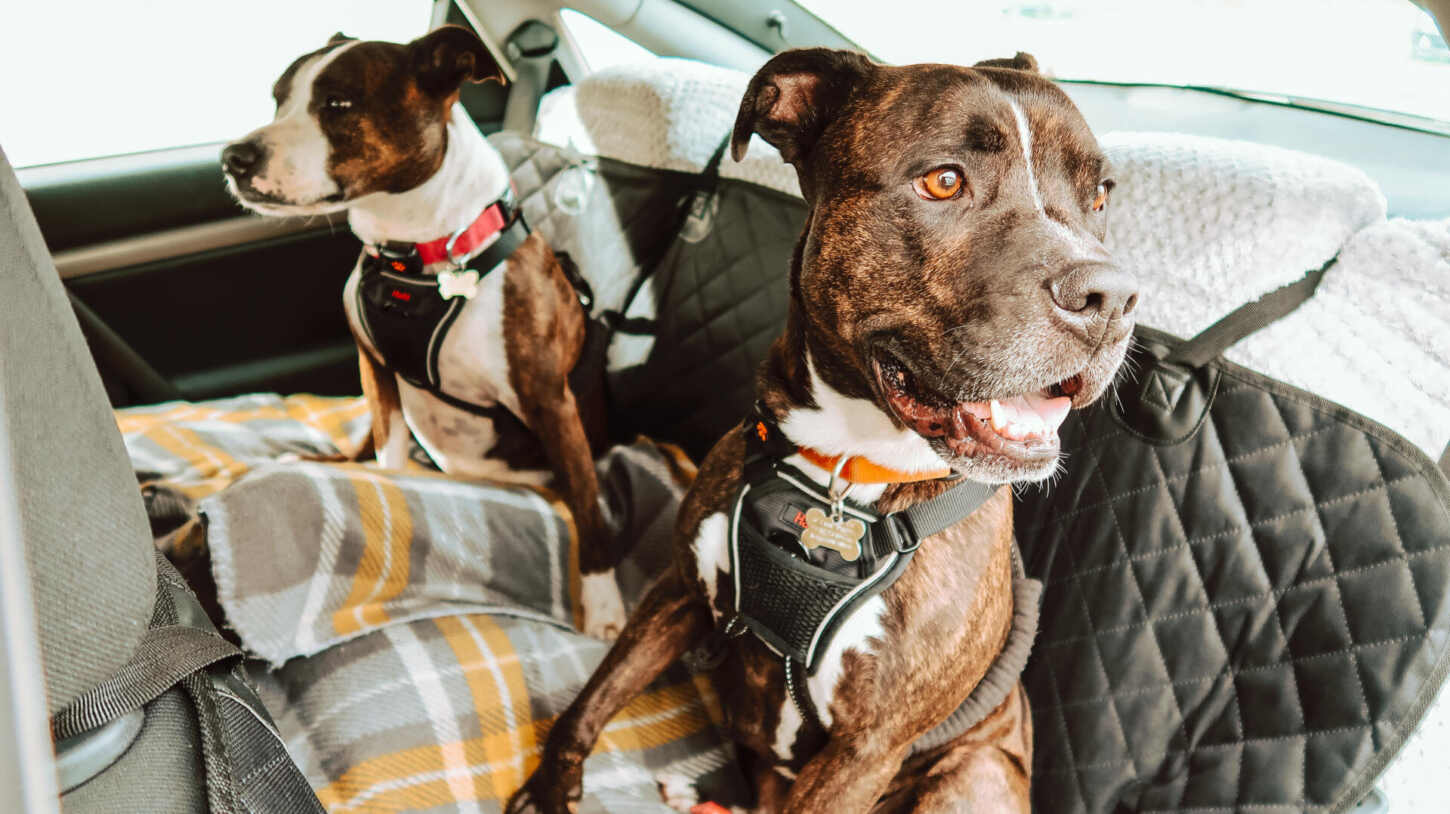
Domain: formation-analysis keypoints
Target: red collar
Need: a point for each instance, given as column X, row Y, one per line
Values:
column 860, row 469
column 466, row 241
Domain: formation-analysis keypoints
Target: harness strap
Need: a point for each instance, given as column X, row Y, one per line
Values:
column 411, row 342
column 921, row 520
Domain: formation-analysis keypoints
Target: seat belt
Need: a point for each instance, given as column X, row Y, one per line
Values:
column 182, row 648
column 1247, row 318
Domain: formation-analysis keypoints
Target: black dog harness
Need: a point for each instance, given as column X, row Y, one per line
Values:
column 407, row 314
column 795, row 587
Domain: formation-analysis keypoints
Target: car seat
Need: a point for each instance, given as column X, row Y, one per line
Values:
column 97, row 633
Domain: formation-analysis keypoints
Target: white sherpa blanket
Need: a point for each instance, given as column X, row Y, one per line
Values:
column 1206, row 224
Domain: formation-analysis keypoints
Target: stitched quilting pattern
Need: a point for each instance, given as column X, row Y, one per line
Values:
column 721, row 301
column 1251, row 619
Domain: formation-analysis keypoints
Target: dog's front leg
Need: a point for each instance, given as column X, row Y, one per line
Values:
column 848, row 775
column 668, row 620
column 554, row 416
column 390, row 432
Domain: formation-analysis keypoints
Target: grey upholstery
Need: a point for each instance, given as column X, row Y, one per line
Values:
column 87, row 540
column 159, row 774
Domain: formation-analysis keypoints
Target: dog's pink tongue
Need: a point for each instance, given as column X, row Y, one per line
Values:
column 1029, row 416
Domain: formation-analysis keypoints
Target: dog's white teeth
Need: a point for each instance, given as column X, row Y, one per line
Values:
column 1000, row 416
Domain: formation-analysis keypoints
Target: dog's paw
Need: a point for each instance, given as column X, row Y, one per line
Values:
column 604, row 615
column 678, row 791
column 542, row 797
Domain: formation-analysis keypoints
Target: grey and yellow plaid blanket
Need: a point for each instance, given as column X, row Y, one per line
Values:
column 415, row 633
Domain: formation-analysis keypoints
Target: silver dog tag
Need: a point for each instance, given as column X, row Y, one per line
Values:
column 840, row 536
column 461, row 283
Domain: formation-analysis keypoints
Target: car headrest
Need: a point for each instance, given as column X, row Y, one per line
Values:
column 668, row 114
column 1208, row 224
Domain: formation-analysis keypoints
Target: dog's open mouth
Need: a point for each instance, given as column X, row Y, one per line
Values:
column 1023, row 427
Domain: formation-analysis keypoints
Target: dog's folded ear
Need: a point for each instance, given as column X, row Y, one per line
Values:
column 445, row 58
column 339, row 38
column 794, row 96
column 1022, row 62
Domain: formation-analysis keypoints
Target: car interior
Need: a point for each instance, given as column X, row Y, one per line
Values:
column 177, row 374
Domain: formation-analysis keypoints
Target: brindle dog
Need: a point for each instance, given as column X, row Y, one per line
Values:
column 951, row 301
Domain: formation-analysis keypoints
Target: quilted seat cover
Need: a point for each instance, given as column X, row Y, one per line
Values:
column 704, row 306
column 1252, row 617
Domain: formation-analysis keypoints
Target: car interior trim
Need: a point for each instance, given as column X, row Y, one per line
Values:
column 170, row 243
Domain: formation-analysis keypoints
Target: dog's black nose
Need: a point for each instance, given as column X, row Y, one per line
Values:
column 1092, row 293
column 241, row 158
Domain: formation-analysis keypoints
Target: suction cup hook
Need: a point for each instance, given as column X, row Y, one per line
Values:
column 776, row 20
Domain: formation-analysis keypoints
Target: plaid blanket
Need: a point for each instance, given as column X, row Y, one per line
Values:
column 416, row 632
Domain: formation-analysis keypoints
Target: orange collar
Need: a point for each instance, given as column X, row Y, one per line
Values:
column 860, row 469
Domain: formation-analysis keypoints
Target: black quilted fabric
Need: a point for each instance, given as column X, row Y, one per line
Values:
column 719, row 298
column 711, row 300
column 1251, row 618
column 611, row 218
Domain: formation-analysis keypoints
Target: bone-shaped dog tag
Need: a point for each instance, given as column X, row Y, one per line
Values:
column 840, row 536
column 462, row 283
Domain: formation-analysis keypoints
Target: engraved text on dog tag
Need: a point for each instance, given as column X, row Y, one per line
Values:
column 841, row 536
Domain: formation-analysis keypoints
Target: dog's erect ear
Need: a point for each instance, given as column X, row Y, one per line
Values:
column 447, row 57
column 794, row 96
column 339, row 38
column 1022, row 62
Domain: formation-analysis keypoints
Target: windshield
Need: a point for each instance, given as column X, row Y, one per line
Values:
column 1378, row 54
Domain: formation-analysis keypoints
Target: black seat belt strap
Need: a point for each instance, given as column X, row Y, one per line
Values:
column 1246, row 319
column 182, row 649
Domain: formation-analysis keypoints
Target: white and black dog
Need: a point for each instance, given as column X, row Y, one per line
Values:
column 467, row 326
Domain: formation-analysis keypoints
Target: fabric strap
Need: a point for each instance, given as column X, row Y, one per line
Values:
column 245, row 762
column 691, row 205
column 1246, row 319
column 167, row 655
column 946, row 509
column 1006, row 669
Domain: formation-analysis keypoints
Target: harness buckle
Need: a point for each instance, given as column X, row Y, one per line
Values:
column 904, row 537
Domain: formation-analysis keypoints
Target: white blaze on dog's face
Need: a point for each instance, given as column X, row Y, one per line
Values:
column 355, row 118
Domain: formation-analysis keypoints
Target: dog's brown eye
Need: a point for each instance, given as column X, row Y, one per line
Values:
column 1101, row 201
column 940, row 184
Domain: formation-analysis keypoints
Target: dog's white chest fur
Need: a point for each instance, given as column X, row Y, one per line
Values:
column 473, row 367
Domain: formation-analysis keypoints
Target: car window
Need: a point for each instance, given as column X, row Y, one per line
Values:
column 600, row 45
column 1378, row 54
column 98, row 78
